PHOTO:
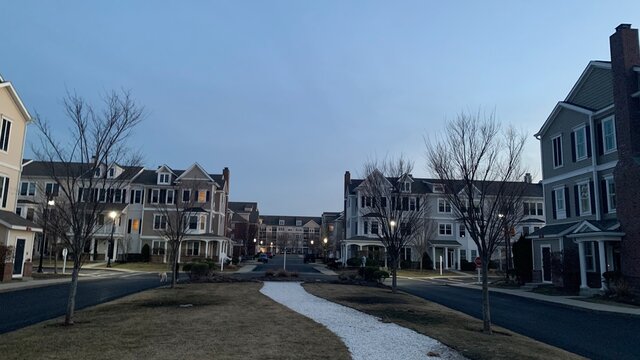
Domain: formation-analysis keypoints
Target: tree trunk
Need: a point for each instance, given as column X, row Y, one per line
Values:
column 486, row 312
column 394, row 276
column 55, row 261
column 420, row 264
column 73, row 288
column 174, row 273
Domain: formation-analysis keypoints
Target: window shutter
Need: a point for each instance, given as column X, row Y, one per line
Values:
column 163, row 196
column 417, row 204
column 577, row 198
column 129, row 226
column 592, row 197
column 123, row 199
column 130, row 198
column 566, row 202
column 149, row 194
column 599, row 143
column 553, row 203
column 208, row 195
column 80, row 195
column 603, row 196
column 5, row 192
column 588, row 131
column 573, row 146
column 197, row 193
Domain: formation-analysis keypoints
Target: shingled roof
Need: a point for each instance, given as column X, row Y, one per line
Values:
column 288, row 220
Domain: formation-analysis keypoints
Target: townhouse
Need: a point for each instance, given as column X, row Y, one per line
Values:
column 245, row 224
column 137, row 204
column 332, row 230
column 590, row 146
column 449, row 240
column 298, row 234
column 16, row 233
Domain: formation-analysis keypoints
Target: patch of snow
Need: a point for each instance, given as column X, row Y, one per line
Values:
column 366, row 336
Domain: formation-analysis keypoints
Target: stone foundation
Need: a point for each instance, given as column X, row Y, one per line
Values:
column 6, row 272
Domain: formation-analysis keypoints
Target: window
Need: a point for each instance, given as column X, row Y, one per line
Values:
column 611, row 194
column 159, row 222
column 474, row 254
column 557, row 151
column 366, row 227
column 31, row 212
column 135, row 224
column 203, row 222
column 298, row 222
column 164, row 178
column 561, row 211
column 170, row 194
column 51, row 189
column 580, row 143
column 27, row 188
column 158, row 247
column 112, row 173
column 19, row 211
column 463, row 254
column 412, row 204
column 406, row 186
column 584, row 196
column 374, row 228
column 589, row 256
column 5, row 134
column 97, row 173
column 445, row 229
column 136, row 196
column 608, row 135
column 155, row 196
column 193, row 222
column 202, row 196
column 532, row 208
column 281, row 223
column 438, row 188
column 102, row 197
column 444, row 206
column 193, row 248
column 462, row 230
column 525, row 230
column 186, row 196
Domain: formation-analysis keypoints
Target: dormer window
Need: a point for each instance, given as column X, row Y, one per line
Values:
column 298, row 222
column 281, row 222
column 406, row 186
column 98, row 172
column 164, row 178
column 438, row 188
column 112, row 173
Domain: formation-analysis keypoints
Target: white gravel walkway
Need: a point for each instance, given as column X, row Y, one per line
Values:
column 366, row 336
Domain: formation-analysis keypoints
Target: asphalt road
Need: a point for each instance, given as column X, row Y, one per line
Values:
column 593, row 334
column 21, row 308
column 294, row 263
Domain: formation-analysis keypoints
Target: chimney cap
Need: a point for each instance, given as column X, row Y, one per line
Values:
column 623, row 26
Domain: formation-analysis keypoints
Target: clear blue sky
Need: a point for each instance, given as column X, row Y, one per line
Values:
column 290, row 94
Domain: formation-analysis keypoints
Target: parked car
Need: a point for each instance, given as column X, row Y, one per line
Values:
column 263, row 258
column 270, row 255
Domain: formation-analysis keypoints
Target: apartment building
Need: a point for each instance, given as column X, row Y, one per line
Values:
column 245, row 225
column 449, row 241
column 590, row 146
column 16, row 233
column 332, row 230
column 298, row 234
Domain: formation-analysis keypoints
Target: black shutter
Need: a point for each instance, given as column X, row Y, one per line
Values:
column 141, row 197
column 592, row 197
column 573, row 147
column 140, row 226
column 588, row 131
column 417, row 204
column 577, row 198
column 566, row 202
column 197, row 197
column 149, row 195
column 80, row 195
column 130, row 197
column 163, row 196
column 553, row 203
column 123, row 199
column 208, row 195
column 599, row 143
column 5, row 192
column 603, row 196
column 129, row 226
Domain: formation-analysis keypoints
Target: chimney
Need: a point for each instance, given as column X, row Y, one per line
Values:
column 527, row 178
column 347, row 180
column 625, row 54
column 225, row 176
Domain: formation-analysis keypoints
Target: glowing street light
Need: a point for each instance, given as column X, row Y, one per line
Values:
column 112, row 215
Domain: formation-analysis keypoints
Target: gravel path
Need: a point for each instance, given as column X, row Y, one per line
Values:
column 366, row 336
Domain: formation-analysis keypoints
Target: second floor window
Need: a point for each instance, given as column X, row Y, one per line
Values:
column 610, row 190
column 159, row 222
column 608, row 135
column 27, row 188
column 580, row 143
column 444, row 206
column 532, row 208
column 557, row 151
column 584, row 198
column 136, row 197
column 559, row 203
column 51, row 189
column 5, row 133
column 155, row 196
column 463, row 232
column 170, row 194
column 445, row 229
column 374, row 228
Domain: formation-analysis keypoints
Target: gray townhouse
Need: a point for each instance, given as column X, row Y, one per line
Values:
column 449, row 240
column 590, row 146
column 299, row 234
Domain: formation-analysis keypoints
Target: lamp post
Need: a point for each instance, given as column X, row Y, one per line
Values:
column 312, row 252
column 254, row 246
column 325, row 241
column 113, row 216
column 507, row 242
column 50, row 202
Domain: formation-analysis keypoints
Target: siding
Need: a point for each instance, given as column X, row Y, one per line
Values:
column 563, row 124
column 596, row 91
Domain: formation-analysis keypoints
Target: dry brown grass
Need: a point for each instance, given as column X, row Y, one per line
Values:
column 226, row 321
column 455, row 329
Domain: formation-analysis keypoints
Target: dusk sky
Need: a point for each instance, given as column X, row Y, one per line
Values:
column 290, row 94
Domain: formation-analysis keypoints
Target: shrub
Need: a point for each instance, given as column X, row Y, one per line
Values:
column 354, row 261
column 467, row 265
column 269, row 273
column 371, row 262
column 282, row 273
column 493, row 264
column 199, row 270
column 293, row 274
column 235, row 260
column 367, row 273
column 380, row 275
column 6, row 254
column 146, row 253
column 187, row 267
column 333, row 264
column 622, row 289
column 406, row 264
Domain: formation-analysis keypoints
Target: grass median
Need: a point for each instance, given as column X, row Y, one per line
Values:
column 221, row 321
column 454, row 329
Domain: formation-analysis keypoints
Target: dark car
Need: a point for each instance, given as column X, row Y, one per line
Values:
column 270, row 255
column 263, row 258
column 309, row 258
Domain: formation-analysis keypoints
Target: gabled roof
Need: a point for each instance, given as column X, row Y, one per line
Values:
column 16, row 98
column 274, row 220
column 163, row 168
column 578, row 228
column 13, row 221
column 195, row 166
column 45, row 168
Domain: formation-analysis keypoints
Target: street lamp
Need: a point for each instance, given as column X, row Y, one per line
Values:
column 50, row 202
column 113, row 216
column 324, row 248
column 312, row 246
column 507, row 242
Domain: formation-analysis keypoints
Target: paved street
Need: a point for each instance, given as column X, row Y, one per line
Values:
column 29, row 306
column 294, row 263
column 592, row 334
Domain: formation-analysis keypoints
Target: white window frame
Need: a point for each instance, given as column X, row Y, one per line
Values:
column 560, row 213
column 30, row 186
column 613, row 135
column 157, row 191
column 553, row 151
column 413, row 204
column 192, row 249
column 5, row 134
column 164, row 178
column 582, row 129
column 203, row 223
column 281, row 223
column 134, row 194
column 173, row 197
column 584, row 212
column 53, row 188
column 590, row 256
column 462, row 231
column 611, row 196
column 445, row 229
column 162, row 244
column 298, row 222
column 445, row 204
column 111, row 173
column 188, row 193
column 160, row 222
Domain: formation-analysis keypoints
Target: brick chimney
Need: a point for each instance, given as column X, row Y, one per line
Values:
column 625, row 54
column 225, row 176
column 527, row 178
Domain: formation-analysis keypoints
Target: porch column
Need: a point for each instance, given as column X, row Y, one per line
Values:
column 433, row 258
column 206, row 249
column 458, row 258
column 385, row 257
column 583, row 266
column 91, row 249
column 446, row 257
column 115, row 250
column 219, row 249
column 180, row 250
column 164, row 256
column 603, row 264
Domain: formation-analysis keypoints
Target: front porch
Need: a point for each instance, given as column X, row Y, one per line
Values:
column 194, row 248
column 445, row 253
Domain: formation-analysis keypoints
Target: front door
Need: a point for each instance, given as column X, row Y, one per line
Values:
column 546, row 264
column 17, row 264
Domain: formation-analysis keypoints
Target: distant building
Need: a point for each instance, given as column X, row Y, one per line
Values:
column 245, row 226
column 295, row 233
column 332, row 230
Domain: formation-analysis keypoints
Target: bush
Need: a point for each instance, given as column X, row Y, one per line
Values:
column 367, row 273
column 270, row 273
column 493, row 264
column 467, row 265
column 380, row 275
column 146, row 253
column 354, row 261
column 333, row 264
column 406, row 264
column 282, row 273
column 235, row 260
column 293, row 274
column 371, row 262
column 6, row 254
column 187, row 267
column 199, row 270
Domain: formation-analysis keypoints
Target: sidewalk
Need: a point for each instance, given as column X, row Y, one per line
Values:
column 32, row 283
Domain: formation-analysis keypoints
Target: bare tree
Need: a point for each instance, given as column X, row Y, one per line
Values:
column 178, row 206
column 78, row 163
column 480, row 166
column 397, row 213
column 423, row 238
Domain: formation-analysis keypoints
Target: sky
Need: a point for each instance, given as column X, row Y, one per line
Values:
column 291, row 94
